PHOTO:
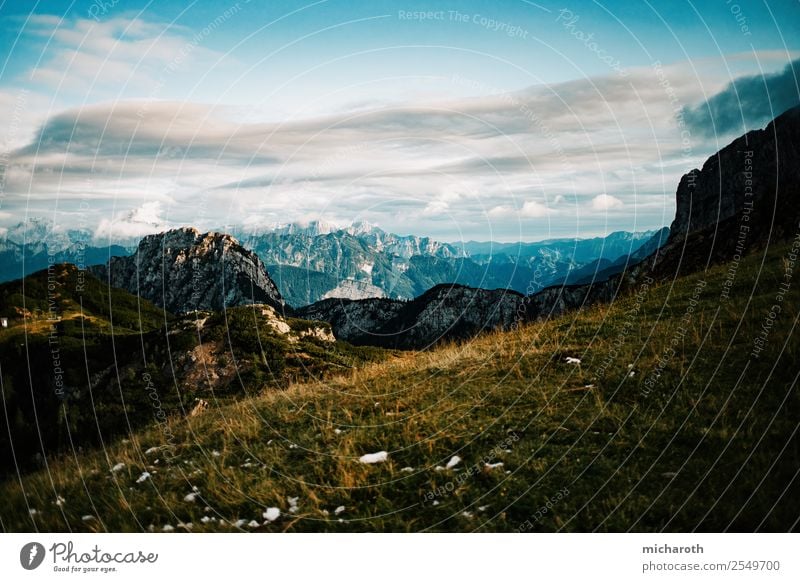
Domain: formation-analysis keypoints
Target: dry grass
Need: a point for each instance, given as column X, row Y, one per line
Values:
column 709, row 446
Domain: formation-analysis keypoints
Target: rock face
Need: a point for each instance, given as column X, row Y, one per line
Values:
column 183, row 270
column 755, row 176
column 444, row 312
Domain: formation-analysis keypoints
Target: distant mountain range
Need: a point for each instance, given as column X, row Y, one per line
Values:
column 317, row 260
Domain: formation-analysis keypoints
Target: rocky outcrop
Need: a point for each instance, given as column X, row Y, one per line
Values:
column 183, row 270
column 745, row 195
column 445, row 312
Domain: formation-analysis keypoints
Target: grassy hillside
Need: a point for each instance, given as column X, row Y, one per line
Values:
column 670, row 422
column 83, row 365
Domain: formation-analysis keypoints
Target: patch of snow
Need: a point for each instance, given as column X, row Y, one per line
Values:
column 60, row 500
column 143, row 477
column 575, row 361
column 253, row 524
column 435, row 502
column 272, row 513
column 118, row 467
column 455, row 460
column 372, row 458
column 240, row 522
column 190, row 497
column 151, row 450
column 215, row 453
column 87, row 517
column 351, row 289
column 339, row 510
column 493, row 465
column 407, row 470
column 168, row 527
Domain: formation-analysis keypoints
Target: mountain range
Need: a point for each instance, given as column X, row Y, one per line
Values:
column 317, row 260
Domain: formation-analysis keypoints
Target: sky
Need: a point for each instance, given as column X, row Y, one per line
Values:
column 470, row 120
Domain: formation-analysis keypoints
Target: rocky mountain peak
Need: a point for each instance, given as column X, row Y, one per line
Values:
column 184, row 270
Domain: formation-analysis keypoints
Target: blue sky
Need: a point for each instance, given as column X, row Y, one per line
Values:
column 470, row 120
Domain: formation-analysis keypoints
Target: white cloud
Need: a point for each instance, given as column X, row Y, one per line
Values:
column 85, row 55
column 136, row 223
column 606, row 202
column 395, row 165
column 533, row 209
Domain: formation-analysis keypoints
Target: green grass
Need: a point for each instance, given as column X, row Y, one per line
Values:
column 710, row 444
column 84, row 365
